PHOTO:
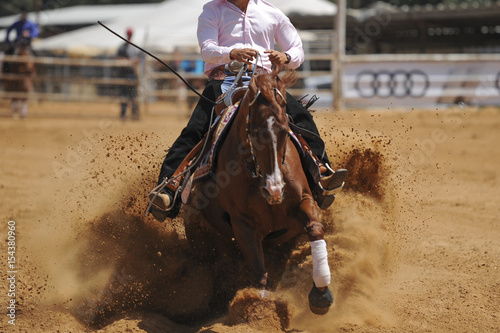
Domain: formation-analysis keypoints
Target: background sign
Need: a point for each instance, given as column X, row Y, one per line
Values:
column 413, row 83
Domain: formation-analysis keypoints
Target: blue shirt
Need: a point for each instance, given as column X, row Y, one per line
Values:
column 21, row 26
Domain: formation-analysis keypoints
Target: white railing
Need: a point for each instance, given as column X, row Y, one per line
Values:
column 368, row 80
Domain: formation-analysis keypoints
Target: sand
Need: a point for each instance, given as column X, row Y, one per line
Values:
column 413, row 239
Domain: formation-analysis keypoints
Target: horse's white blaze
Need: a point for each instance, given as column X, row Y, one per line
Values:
column 321, row 270
column 274, row 181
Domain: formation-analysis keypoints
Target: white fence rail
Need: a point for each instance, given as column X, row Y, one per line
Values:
column 368, row 80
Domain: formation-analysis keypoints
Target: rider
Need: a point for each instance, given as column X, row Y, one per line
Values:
column 241, row 30
column 25, row 31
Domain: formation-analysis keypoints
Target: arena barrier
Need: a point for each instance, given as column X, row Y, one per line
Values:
column 414, row 80
column 369, row 80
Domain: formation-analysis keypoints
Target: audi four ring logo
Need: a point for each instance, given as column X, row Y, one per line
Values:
column 385, row 84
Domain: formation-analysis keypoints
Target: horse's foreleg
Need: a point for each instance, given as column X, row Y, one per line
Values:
column 24, row 108
column 316, row 233
column 320, row 297
column 251, row 246
column 321, row 270
column 14, row 106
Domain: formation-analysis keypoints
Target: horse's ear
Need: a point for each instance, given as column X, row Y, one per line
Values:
column 290, row 77
column 252, row 88
column 275, row 70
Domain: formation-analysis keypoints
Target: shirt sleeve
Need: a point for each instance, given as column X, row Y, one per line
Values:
column 9, row 29
column 33, row 30
column 289, row 41
column 208, row 38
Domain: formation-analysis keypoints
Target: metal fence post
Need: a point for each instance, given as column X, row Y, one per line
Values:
column 339, row 54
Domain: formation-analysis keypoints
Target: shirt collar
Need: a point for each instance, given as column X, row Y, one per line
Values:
column 226, row 1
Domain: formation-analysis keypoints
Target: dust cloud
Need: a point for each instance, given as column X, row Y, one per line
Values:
column 92, row 261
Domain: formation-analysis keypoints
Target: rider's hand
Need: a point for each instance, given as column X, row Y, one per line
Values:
column 243, row 55
column 277, row 58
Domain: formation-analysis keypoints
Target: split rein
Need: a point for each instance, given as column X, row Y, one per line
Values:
column 166, row 181
column 160, row 61
column 242, row 68
column 231, row 67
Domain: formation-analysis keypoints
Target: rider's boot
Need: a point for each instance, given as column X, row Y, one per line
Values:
column 161, row 200
column 330, row 183
column 163, row 204
column 165, row 198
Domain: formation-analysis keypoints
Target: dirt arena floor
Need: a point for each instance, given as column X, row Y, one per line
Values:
column 413, row 240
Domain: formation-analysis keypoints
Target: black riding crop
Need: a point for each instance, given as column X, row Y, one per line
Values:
column 158, row 59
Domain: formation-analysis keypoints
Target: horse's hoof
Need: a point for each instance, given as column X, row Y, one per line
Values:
column 263, row 293
column 320, row 301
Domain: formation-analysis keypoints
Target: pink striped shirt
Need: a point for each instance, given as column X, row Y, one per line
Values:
column 222, row 27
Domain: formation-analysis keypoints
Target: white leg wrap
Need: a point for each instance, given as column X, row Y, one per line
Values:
column 24, row 109
column 321, row 271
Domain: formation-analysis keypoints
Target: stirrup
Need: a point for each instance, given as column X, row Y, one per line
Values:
column 325, row 194
column 159, row 212
column 333, row 183
column 158, row 200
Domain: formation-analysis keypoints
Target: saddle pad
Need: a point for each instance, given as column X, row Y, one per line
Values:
column 207, row 164
column 296, row 142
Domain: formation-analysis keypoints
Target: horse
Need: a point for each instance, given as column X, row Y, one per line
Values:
column 21, row 84
column 260, row 192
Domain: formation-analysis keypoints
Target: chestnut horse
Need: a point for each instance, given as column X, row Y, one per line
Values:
column 22, row 83
column 259, row 192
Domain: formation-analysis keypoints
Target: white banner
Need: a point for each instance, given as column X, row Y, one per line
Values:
column 413, row 83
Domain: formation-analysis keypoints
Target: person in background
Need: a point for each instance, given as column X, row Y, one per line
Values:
column 20, row 46
column 193, row 67
column 25, row 31
column 128, row 92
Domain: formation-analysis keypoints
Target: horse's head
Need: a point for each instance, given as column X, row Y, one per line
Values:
column 22, row 47
column 268, row 130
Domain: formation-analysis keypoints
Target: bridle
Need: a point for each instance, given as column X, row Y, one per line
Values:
column 254, row 170
column 276, row 91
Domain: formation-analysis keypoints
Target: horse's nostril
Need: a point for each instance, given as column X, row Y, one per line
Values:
column 273, row 195
column 265, row 192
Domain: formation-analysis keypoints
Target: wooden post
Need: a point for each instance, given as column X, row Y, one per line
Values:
column 141, row 110
column 37, row 6
column 339, row 54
